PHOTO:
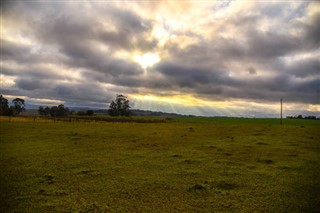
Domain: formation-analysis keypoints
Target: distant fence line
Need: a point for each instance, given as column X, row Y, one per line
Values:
column 79, row 119
column 110, row 119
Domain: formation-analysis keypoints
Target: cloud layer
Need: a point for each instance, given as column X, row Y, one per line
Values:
column 83, row 53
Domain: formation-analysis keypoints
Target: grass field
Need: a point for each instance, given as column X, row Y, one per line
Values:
column 184, row 165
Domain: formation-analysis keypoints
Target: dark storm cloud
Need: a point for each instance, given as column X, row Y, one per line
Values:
column 130, row 29
column 129, row 21
column 12, row 50
column 80, row 92
column 313, row 30
column 86, row 56
column 191, row 76
column 80, row 38
column 219, row 84
column 23, row 53
column 32, row 84
column 119, row 29
column 72, row 37
column 305, row 68
column 73, row 94
column 271, row 45
column 79, row 35
column 38, row 78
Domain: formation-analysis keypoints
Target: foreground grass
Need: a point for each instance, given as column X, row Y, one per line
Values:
column 185, row 166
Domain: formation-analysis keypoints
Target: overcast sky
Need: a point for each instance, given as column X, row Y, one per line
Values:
column 213, row 58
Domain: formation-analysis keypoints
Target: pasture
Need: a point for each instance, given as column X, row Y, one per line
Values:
column 180, row 165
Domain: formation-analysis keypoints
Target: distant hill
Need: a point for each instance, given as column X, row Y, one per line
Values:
column 139, row 112
column 158, row 113
column 134, row 112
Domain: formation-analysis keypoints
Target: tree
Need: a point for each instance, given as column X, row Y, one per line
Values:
column 85, row 113
column 113, row 109
column 59, row 111
column 54, row 111
column 18, row 106
column 120, row 106
column 63, row 111
column 310, row 117
column 89, row 112
column 4, row 106
column 81, row 113
column 46, row 111
column 41, row 111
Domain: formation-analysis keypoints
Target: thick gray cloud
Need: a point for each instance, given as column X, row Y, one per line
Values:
column 305, row 68
column 28, row 83
column 83, row 52
column 219, row 85
column 312, row 30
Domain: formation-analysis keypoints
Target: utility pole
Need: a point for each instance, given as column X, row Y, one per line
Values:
column 281, row 111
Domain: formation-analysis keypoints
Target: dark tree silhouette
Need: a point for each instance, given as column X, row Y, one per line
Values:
column 46, row 111
column 120, row 106
column 90, row 112
column 18, row 106
column 55, row 111
column 86, row 113
column 4, row 105
column 41, row 111
column 63, row 111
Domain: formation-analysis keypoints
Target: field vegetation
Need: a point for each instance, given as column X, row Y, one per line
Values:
column 178, row 165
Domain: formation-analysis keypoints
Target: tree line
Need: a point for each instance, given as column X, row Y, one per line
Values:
column 118, row 107
column 54, row 111
column 310, row 117
column 61, row 111
column 17, row 106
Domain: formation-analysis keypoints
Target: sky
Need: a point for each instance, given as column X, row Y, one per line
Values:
column 207, row 58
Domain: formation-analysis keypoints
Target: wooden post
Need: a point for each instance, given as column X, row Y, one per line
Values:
column 281, row 111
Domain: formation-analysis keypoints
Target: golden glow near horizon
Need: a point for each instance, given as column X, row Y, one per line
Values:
column 190, row 101
column 185, row 100
column 226, row 106
column 47, row 101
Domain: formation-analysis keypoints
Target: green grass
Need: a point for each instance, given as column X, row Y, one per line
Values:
column 191, row 165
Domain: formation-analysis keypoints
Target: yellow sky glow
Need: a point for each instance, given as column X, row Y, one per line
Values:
column 185, row 100
column 191, row 101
